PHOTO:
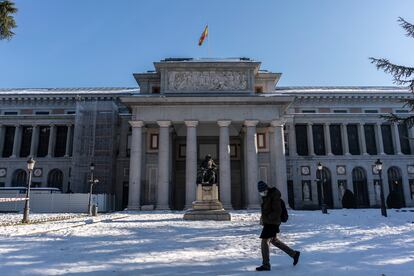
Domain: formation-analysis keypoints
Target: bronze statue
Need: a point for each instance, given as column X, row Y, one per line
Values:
column 208, row 171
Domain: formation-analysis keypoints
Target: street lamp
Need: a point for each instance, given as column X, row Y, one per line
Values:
column 91, row 182
column 323, row 205
column 30, row 166
column 378, row 167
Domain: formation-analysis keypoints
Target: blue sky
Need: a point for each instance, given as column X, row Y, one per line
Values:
column 96, row 43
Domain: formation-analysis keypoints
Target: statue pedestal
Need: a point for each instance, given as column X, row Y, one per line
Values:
column 207, row 206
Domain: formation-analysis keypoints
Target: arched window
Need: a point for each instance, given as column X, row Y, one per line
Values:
column 359, row 180
column 19, row 178
column 55, row 179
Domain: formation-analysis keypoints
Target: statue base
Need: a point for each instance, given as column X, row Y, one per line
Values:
column 207, row 206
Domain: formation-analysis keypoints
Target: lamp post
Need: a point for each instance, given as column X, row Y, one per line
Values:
column 30, row 166
column 378, row 167
column 91, row 182
column 323, row 205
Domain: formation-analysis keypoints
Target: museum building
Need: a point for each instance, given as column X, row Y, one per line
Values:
column 147, row 143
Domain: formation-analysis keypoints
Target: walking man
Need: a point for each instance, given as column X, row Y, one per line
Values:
column 270, row 219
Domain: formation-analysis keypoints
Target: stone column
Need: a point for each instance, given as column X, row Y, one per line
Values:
column 311, row 150
column 2, row 134
column 68, row 136
column 134, row 192
column 163, row 192
column 35, row 141
column 278, row 151
column 292, row 140
column 52, row 140
column 326, row 132
column 345, row 144
column 361, row 136
column 191, row 163
column 380, row 144
column 396, row 138
column 16, row 142
column 252, row 164
column 225, row 168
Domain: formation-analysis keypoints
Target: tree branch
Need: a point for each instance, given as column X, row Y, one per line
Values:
column 408, row 27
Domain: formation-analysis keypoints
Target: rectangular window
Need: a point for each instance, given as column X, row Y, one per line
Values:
column 371, row 111
column 154, row 141
column 71, row 112
column 60, row 145
column 370, row 139
column 308, row 111
column 8, row 141
column 401, row 111
column 42, row 112
column 387, row 139
column 353, row 141
column 43, row 145
column 318, row 139
column 404, row 140
column 301, row 140
column 10, row 113
column 336, row 139
column 26, row 142
column 340, row 111
column 2, row 184
column 261, row 140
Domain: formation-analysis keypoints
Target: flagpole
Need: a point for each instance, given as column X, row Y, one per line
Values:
column 208, row 41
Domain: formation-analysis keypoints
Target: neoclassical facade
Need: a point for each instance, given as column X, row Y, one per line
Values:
column 148, row 142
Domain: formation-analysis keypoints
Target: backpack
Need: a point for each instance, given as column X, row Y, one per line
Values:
column 284, row 215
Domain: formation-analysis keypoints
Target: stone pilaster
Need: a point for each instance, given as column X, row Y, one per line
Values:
column 191, row 163
column 134, row 193
column 225, row 167
column 252, row 164
column 163, row 192
column 278, row 150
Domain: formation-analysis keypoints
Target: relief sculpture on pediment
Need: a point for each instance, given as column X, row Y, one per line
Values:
column 197, row 81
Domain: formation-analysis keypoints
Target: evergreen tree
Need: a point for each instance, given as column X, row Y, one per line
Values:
column 7, row 23
column 403, row 75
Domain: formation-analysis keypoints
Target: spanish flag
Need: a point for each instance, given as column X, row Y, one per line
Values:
column 203, row 36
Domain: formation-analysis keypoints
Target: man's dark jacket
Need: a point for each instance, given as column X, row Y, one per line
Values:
column 271, row 208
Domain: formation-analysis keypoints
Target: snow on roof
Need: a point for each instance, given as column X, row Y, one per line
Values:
column 342, row 89
column 68, row 91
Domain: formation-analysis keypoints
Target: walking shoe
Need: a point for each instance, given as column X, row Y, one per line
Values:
column 263, row 268
column 296, row 257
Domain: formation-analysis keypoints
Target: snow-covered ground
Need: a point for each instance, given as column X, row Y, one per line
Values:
column 344, row 242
